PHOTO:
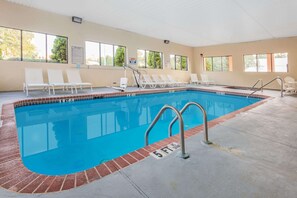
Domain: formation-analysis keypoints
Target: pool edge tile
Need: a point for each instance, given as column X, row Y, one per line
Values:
column 29, row 180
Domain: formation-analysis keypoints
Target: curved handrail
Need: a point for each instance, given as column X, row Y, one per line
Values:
column 259, row 80
column 181, row 128
column 135, row 70
column 206, row 141
column 282, row 86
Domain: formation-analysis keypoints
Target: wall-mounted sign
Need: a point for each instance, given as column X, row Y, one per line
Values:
column 132, row 61
column 77, row 55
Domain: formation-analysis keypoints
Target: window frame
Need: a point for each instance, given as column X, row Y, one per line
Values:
column 46, row 45
column 113, row 53
column 221, row 66
column 145, row 59
column 181, row 57
column 270, row 62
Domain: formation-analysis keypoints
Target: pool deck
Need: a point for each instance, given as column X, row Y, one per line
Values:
column 254, row 155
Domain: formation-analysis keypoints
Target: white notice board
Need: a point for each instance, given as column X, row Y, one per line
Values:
column 77, row 55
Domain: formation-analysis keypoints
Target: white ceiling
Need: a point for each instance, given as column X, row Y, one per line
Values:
column 188, row 22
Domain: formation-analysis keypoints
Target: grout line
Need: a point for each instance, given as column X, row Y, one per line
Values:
column 133, row 157
column 63, row 183
column 19, row 181
column 141, row 192
column 40, row 184
column 75, row 180
column 125, row 160
column 86, row 175
column 50, row 184
column 140, row 154
column 107, row 168
column 29, row 183
column 97, row 171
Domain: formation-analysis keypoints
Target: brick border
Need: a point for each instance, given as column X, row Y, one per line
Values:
column 16, row 177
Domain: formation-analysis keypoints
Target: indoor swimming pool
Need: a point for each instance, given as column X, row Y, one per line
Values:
column 64, row 138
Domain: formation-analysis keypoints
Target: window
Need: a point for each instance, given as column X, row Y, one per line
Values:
column 149, row 59
column 56, row 49
column 277, row 62
column 119, row 56
column 179, row 62
column 141, row 58
column 218, row 63
column 10, row 44
column 92, row 53
column 31, row 46
column 172, row 61
column 280, row 62
column 184, row 63
column 105, row 54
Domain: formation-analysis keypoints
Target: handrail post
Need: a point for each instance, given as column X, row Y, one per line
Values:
column 282, row 85
column 206, row 141
column 183, row 154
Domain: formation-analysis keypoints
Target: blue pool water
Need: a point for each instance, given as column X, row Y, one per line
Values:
column 64, row 138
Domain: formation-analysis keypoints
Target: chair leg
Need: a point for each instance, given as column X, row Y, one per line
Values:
column 27, row 91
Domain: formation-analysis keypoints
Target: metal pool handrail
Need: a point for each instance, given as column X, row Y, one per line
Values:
column 277, row 78
column 259, row 80
column 206, row 141
column 183, row 155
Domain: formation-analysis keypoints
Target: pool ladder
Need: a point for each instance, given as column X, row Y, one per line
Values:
column 179, row 117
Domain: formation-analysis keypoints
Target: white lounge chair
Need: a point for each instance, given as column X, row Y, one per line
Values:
column 148, row 81
column 194, row 79
column 177, row 83
column 205, row 80
column 55, row 79
column 290, row 82
column 165, row 79
column 74, row 78
column 34, row 79
column 159, row 81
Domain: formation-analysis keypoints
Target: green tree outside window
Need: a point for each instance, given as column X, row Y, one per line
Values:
column 119, row 57
column 59, row 51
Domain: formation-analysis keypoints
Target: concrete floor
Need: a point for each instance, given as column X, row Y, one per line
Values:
column 253, row 155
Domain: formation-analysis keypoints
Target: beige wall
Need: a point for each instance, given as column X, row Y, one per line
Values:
column 238, row 76
column 16, row 16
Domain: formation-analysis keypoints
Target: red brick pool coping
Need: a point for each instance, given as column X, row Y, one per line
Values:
column 16, row 177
